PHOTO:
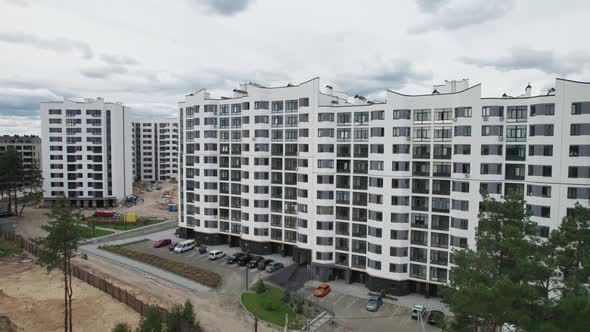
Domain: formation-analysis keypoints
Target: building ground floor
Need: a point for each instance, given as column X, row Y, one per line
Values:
column 84, row 202
column 321, row 272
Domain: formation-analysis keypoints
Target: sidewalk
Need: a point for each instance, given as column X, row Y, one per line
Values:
column 359, row 290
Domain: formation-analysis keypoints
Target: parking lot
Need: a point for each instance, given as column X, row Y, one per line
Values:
column 351, row 315
column 234, row 276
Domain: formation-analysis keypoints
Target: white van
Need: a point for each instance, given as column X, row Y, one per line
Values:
column 216, row 254
column 184, row 246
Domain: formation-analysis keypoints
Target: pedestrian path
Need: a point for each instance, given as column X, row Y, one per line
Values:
column 359, row 290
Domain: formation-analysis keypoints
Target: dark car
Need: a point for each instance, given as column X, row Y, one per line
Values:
column 254, row 261
column 233, row 259
column 162, row 243
column 436, row 318
column 172, row 246
column 244, row 260
column 263, row 263
column 273, row 267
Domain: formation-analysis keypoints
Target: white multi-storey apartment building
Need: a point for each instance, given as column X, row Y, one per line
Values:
column 155, row 144
column 376, row 192
column 28, row 148
column 87, row 152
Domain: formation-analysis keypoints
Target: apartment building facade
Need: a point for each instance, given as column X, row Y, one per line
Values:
column 375, row 192
column 155, row 148
column 87, row 152
column 28, row 148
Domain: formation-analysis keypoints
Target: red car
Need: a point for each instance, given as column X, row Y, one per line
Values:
column 322, row 290
column 162, row 243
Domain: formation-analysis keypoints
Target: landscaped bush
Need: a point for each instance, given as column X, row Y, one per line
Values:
column 201, row 276
column 260, row 287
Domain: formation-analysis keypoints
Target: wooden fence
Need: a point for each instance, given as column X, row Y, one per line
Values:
column 115, row 292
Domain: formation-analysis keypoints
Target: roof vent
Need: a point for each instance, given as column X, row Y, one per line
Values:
column 290, row 85
column 504, row 95
column 435, row 92
column 551, row 91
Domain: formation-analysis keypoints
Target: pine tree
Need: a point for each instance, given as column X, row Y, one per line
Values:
column 59, row 246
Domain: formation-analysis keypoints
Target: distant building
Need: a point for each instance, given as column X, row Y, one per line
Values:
column 28, row 147
column 155, row 148
column 87, row 152
column 376, row 192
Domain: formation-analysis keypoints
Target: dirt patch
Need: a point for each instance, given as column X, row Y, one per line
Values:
column 6, row 325
column 216, row 312
column 33, row 300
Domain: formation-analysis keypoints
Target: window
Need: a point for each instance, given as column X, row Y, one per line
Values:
column 463, row 112
column 344, row 119
column 581, row 108
column 443, row 114
column 291, row 105
column 580, row 129
column 516, row 113
column 361, row 118
column 516, row 133
column 541, row 130
column 303, row 102
column 462, row 130
column 258, row 105
column 325, row 132
column 489, row 111
column 277, row 106
column 377, row 115
column 400, row 131
column 326, row 117
column 542, row 109
column 401, row 114
column 421, row 115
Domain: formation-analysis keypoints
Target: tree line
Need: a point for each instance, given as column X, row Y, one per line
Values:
column 19, row 187
column 515, row 277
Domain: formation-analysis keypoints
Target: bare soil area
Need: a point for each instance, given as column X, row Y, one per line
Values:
column 153, row 204
column 32, row 300
column 216, row 312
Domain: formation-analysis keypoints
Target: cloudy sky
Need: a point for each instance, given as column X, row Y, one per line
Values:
column 148, row 54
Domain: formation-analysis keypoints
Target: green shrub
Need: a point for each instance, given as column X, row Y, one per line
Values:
column 260, row 287
column 286, row 298
column 121, row 327
column 269, row 306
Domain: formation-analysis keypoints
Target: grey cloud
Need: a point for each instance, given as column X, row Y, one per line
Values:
column 457, row 14
column 114, row 59
column 59, row 45
column 431, row 6
column 23, row 102
column 19, row 3
column 226, row 7
column 103, row 71
column 546, row 61
column 394, row 74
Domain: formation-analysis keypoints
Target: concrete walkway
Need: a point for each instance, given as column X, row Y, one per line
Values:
column 359, row 290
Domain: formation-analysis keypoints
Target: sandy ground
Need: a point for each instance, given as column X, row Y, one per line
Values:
column 29, row 223
column 216, row 312
column 153, row 204
column 33, row 301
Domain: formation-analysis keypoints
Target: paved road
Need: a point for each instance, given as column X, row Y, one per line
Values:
column 350, row 314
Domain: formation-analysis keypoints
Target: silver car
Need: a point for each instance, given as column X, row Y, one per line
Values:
column 374, row 303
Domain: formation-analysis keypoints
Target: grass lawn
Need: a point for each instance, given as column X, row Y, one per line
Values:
column 8, row 248
column 118, row 224
column 201, row 276
column 87, row 232
column 260, row 303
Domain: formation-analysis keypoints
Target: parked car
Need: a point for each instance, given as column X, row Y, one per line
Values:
column 184, row 246
column 322, row 290
column 243, row 261
column 435, row 317
column 216, row 254
column 418, row 311
column 233, row 259
column 375, row 302
column 172, row 246
column 162, row 243
column 263, row 263
column 273, row 266
column 202, row 250
column 254, row 261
